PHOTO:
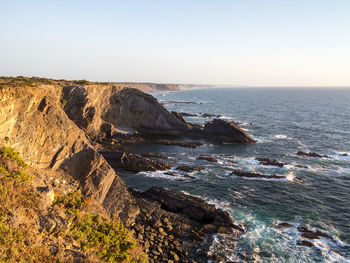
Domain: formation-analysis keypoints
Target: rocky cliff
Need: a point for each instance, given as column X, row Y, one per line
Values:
column 59, row 128
column 110, row 111
column 33, row 122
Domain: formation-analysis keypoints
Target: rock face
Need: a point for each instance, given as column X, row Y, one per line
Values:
column 107, row 111
column 33, row 122
column 222, row 131
column 57, row 130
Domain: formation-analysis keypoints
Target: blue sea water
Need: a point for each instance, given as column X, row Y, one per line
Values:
column 283, row 121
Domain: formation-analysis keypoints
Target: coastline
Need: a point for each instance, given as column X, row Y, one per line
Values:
column 80, row 132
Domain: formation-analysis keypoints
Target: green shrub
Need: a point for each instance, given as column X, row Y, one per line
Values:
column 73, row 202
column 109, row 240
column 11, row 154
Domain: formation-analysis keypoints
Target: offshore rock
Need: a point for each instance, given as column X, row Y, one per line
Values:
column 222, row 131
column 134, row 162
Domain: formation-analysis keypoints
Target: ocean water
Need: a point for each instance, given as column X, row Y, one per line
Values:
column 283, row 121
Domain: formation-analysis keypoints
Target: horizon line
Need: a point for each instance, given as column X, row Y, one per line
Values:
column 187, row 84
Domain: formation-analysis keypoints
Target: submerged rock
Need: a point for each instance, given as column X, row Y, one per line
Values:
column 207, row 115
column 185, row 114
column 309, row 234
column 257, row 175
column 283, row 225
column 207, row 158
column 271, row 162
column 311, row 154
column 179, row 143
column 188, row 169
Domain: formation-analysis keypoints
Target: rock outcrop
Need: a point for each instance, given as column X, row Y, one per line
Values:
column 108, row 111
column 222, row 131
column 33, row 122
column 134, row 162
column 57, row 126
column 192, row 207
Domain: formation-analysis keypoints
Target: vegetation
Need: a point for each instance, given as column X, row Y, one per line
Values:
column 24, row 81
column 98, row 238
column 10, row 154
column 17, row 197
column 108, row 239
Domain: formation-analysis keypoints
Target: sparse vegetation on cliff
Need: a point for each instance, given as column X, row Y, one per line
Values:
column 27, row 233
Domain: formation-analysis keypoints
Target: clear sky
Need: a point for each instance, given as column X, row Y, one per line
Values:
column 238, row 42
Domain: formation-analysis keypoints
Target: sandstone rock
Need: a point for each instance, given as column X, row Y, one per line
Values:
column 111, row 108
column 33, row 122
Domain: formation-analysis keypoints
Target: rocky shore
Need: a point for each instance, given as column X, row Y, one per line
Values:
column 82, row 130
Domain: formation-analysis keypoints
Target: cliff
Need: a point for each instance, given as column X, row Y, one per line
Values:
column 33, row 122
column 59, row 129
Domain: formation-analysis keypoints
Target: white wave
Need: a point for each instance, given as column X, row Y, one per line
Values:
column 290, row 177
column 176, row 175
column 226, row 118
column 284, row 179
column 282, row 136
column 345, row 156
column 286, row 241
column 260, row 139
column 224, row 245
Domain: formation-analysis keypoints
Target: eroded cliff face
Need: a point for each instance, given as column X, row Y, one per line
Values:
column 33, row 122
column 105, row 110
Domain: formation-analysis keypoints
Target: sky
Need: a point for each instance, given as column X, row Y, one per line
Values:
column 234, row 42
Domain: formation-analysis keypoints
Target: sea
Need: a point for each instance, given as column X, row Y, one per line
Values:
column 313, row 193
